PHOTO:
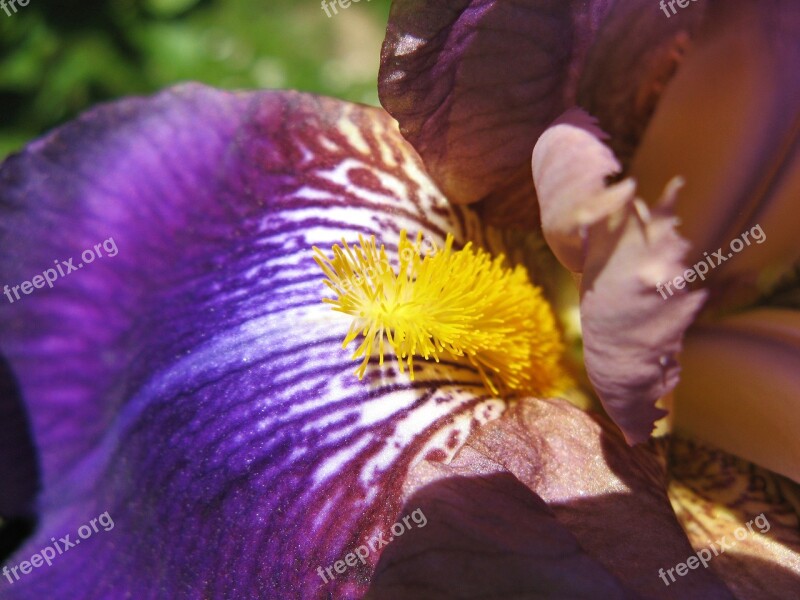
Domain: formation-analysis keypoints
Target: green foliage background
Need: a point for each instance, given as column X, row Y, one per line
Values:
column 57, row 57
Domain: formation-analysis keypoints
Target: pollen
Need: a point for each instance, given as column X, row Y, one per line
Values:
column 460, row 305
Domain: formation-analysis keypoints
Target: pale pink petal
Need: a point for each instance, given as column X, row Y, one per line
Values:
column 570, row 166
column 632, row 332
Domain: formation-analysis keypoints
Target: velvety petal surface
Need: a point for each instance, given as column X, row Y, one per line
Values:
column 489, row 497
column 487, row 536
column 740, row 389
column 473, row 83
column 193, row 386
column 729, row 124
column 632, row 332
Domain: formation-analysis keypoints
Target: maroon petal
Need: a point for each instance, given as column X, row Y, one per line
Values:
column 632, row 332
column 487, row 536
column 638, row 51
column 473, row 83
column 593, row 483
column 729, row 125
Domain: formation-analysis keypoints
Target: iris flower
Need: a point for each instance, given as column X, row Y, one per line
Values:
column 194, row 387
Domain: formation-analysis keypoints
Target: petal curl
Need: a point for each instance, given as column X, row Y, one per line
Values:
column 193, row 386
column 570, row 168
column 632, row 332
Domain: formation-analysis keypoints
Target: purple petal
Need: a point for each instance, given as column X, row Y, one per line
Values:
column 592, row 482
column 473, row 84
column 193, row 386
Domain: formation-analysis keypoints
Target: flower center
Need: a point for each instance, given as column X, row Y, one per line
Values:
column 462, row 304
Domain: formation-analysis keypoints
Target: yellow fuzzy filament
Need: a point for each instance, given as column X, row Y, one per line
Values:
column 461, row 303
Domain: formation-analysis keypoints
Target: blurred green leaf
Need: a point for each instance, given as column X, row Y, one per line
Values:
column 58, row 57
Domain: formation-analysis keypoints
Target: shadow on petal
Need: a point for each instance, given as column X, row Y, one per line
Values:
column 488, row 537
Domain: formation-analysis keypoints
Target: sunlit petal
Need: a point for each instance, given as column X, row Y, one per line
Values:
column 193, row 385
column 591, row 481
column 741, row 518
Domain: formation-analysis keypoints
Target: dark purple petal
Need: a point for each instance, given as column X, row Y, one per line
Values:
column 473, row 83
column 19, row 469
column 194, row 386
column 487, row 536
